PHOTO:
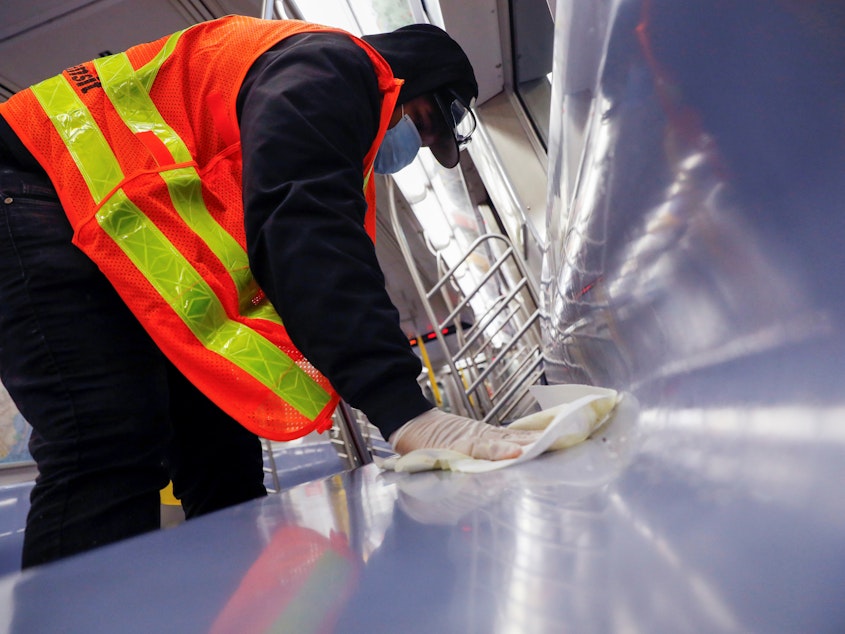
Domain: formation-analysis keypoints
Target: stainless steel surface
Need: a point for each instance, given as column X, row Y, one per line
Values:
column 696, row 223
column 285, row 466
column 634, row 531
column 695, row 260
column 267, row 9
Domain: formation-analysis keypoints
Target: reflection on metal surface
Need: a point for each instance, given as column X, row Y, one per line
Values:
column 695, row 600
column 522, row 537
column 767, row 449
column 288, row 562
column 318, row 571
column 632, row 531
column 672, row 255
column 695, row 217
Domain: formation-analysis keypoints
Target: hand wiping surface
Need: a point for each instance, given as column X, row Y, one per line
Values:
column 579, row 412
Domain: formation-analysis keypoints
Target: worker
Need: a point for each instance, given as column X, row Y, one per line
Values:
column 188, row 263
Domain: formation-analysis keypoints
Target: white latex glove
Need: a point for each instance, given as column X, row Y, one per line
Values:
column 435, row 429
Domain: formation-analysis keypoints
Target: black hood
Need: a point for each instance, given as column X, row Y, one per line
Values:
column 428, row 59
column 430, row 62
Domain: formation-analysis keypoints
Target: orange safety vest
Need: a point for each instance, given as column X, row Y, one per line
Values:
column 143, row 148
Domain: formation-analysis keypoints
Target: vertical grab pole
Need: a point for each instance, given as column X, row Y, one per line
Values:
column 356, row 447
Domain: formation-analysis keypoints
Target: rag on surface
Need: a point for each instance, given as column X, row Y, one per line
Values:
column 580, row 411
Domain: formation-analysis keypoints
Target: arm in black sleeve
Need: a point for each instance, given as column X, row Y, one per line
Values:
column 308, row 114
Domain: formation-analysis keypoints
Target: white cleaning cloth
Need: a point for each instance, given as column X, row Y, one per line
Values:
column 564, row 425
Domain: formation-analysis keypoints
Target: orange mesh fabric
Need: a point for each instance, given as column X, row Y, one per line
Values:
column 204, row 70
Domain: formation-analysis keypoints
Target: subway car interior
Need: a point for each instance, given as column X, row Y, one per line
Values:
column 652, row 203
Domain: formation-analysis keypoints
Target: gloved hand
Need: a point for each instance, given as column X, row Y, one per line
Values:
column 435, row 429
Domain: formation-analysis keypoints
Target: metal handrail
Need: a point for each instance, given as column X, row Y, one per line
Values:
column 533, row 374
column 271, row 468
column 475, row 366
column 508, row 347
column 479, row 329
column 355, row 448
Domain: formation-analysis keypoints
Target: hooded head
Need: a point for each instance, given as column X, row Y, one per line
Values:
column 432, row 63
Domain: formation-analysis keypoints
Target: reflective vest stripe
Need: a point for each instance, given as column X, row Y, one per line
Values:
column 147, row 73
column 84, row 140
column 190, row 297
column 133, row 104
column 185, row 189
column 161, row 263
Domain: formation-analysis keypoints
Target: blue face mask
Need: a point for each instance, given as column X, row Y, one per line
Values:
column 398, row 148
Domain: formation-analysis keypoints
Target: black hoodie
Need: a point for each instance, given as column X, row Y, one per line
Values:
column 428, row 59
column 308, row 112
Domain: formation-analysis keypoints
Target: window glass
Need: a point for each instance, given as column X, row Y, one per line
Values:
column 532, row 32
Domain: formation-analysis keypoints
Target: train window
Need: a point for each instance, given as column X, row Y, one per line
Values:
column 532, row 40
column 330, row 12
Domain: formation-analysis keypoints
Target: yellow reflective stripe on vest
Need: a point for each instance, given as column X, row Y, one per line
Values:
column 80, row 133
column 193, row 300
column 134, row 105
column 178, row 283
column 147, row 73
column 185, row 189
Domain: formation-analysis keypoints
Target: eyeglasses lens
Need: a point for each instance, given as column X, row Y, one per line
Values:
column 464, row 121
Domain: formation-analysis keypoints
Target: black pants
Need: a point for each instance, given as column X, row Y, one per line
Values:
column 112, row 419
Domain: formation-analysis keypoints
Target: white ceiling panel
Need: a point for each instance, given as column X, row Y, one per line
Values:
column 17, row 16
column 37, row 45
